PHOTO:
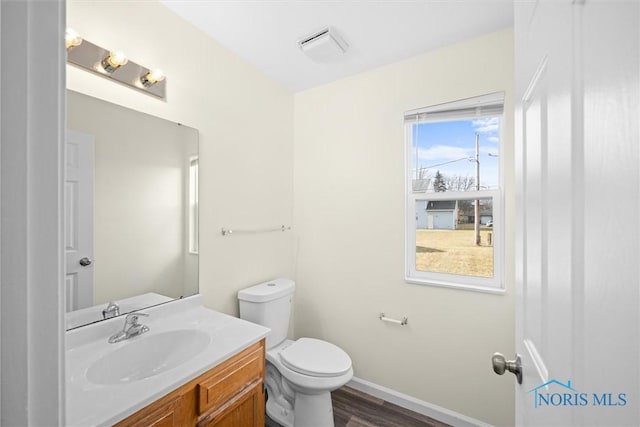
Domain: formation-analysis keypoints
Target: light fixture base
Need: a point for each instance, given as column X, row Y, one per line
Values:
column 90, row 57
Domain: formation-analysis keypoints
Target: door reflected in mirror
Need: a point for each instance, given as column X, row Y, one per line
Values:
column 131, row 209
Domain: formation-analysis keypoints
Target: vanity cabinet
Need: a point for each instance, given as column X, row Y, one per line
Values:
column 229, row 395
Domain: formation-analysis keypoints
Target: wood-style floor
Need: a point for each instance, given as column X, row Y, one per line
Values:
column 353, row 408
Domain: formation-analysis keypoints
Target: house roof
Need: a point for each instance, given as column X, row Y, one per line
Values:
column 434, row 205
column 420, row 185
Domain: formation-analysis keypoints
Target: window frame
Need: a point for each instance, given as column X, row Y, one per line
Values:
column 193, row 205
column 495, row 284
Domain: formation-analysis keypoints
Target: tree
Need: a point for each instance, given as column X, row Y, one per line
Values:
column 459, row 182
column 465, row 207
column 439, row 184
column 423, row 173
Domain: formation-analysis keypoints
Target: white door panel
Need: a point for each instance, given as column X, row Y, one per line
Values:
column 78, row 227
column 577, row 162
column 611, row 181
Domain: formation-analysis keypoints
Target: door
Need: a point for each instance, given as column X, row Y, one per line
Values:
column 577, row 162
column 443, row 220
column 78, row 220
column 244, row 410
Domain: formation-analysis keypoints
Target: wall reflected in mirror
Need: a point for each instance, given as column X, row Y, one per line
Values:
column 131, row 209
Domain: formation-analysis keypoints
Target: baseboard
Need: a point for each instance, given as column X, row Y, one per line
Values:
column 425, row 408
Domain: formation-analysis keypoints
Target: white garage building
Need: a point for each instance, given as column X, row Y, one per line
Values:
column 437, row 215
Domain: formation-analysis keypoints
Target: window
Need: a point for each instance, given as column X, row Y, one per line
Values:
column 453, row 194
column 193, row 205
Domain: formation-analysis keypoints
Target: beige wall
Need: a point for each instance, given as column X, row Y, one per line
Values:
column 246, row 134
column 349, row 220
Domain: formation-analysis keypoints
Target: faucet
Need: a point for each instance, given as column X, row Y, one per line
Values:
column 112, row 310
column 131, row 328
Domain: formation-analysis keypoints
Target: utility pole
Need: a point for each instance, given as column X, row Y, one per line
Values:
column 476, row 226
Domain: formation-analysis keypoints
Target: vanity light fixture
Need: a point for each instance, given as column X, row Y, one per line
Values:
column 152, row 77
column 114, row 61
column 71, row 39
column 113, row 65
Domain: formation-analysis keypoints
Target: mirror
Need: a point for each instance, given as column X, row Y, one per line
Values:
column 131, row 209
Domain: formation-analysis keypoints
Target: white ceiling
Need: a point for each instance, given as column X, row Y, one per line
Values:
column 265, row 33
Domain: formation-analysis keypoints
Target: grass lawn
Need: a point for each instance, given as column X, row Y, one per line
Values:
column 454, row 252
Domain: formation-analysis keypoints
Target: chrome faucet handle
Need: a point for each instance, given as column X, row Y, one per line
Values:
column 132, row 319
column 130, row 329
column 112, row 310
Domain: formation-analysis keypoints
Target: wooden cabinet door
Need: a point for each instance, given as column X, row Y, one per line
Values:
column 230, row 378
column 166, row 415
column 245, row 410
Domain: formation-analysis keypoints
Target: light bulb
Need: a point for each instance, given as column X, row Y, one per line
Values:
column 71, row 39
column 114, row 61
column 152, row 77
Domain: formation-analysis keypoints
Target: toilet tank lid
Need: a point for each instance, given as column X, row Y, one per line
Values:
column 267, row 291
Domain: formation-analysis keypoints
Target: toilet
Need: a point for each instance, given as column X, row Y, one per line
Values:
column 301, row 374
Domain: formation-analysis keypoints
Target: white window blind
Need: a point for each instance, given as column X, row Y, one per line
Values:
column 479, row 106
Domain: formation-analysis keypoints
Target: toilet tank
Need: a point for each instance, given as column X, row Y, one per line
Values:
column 269, row 304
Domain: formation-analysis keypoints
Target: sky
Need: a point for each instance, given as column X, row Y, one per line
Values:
column 446, row 146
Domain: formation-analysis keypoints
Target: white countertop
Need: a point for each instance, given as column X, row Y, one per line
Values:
column 91, row 404
column 85, row 316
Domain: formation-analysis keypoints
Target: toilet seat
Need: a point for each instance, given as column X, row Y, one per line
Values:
column 315, row 358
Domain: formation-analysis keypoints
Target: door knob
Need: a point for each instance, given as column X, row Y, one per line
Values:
column 500, row 365
column 85, row 262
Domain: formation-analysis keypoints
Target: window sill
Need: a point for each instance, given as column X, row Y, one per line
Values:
column 459, row 286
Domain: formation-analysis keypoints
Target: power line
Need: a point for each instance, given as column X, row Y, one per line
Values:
column 471, row 159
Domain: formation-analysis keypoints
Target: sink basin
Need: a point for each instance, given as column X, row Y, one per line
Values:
column 146, row 356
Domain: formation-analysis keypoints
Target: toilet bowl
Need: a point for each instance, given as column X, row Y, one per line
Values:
column 300, row 374
column 300, row 377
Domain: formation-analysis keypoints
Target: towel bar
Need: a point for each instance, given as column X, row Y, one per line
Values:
column 226, row 231
column 402, row 322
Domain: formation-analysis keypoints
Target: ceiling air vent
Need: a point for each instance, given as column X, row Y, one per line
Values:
column 324, row 46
